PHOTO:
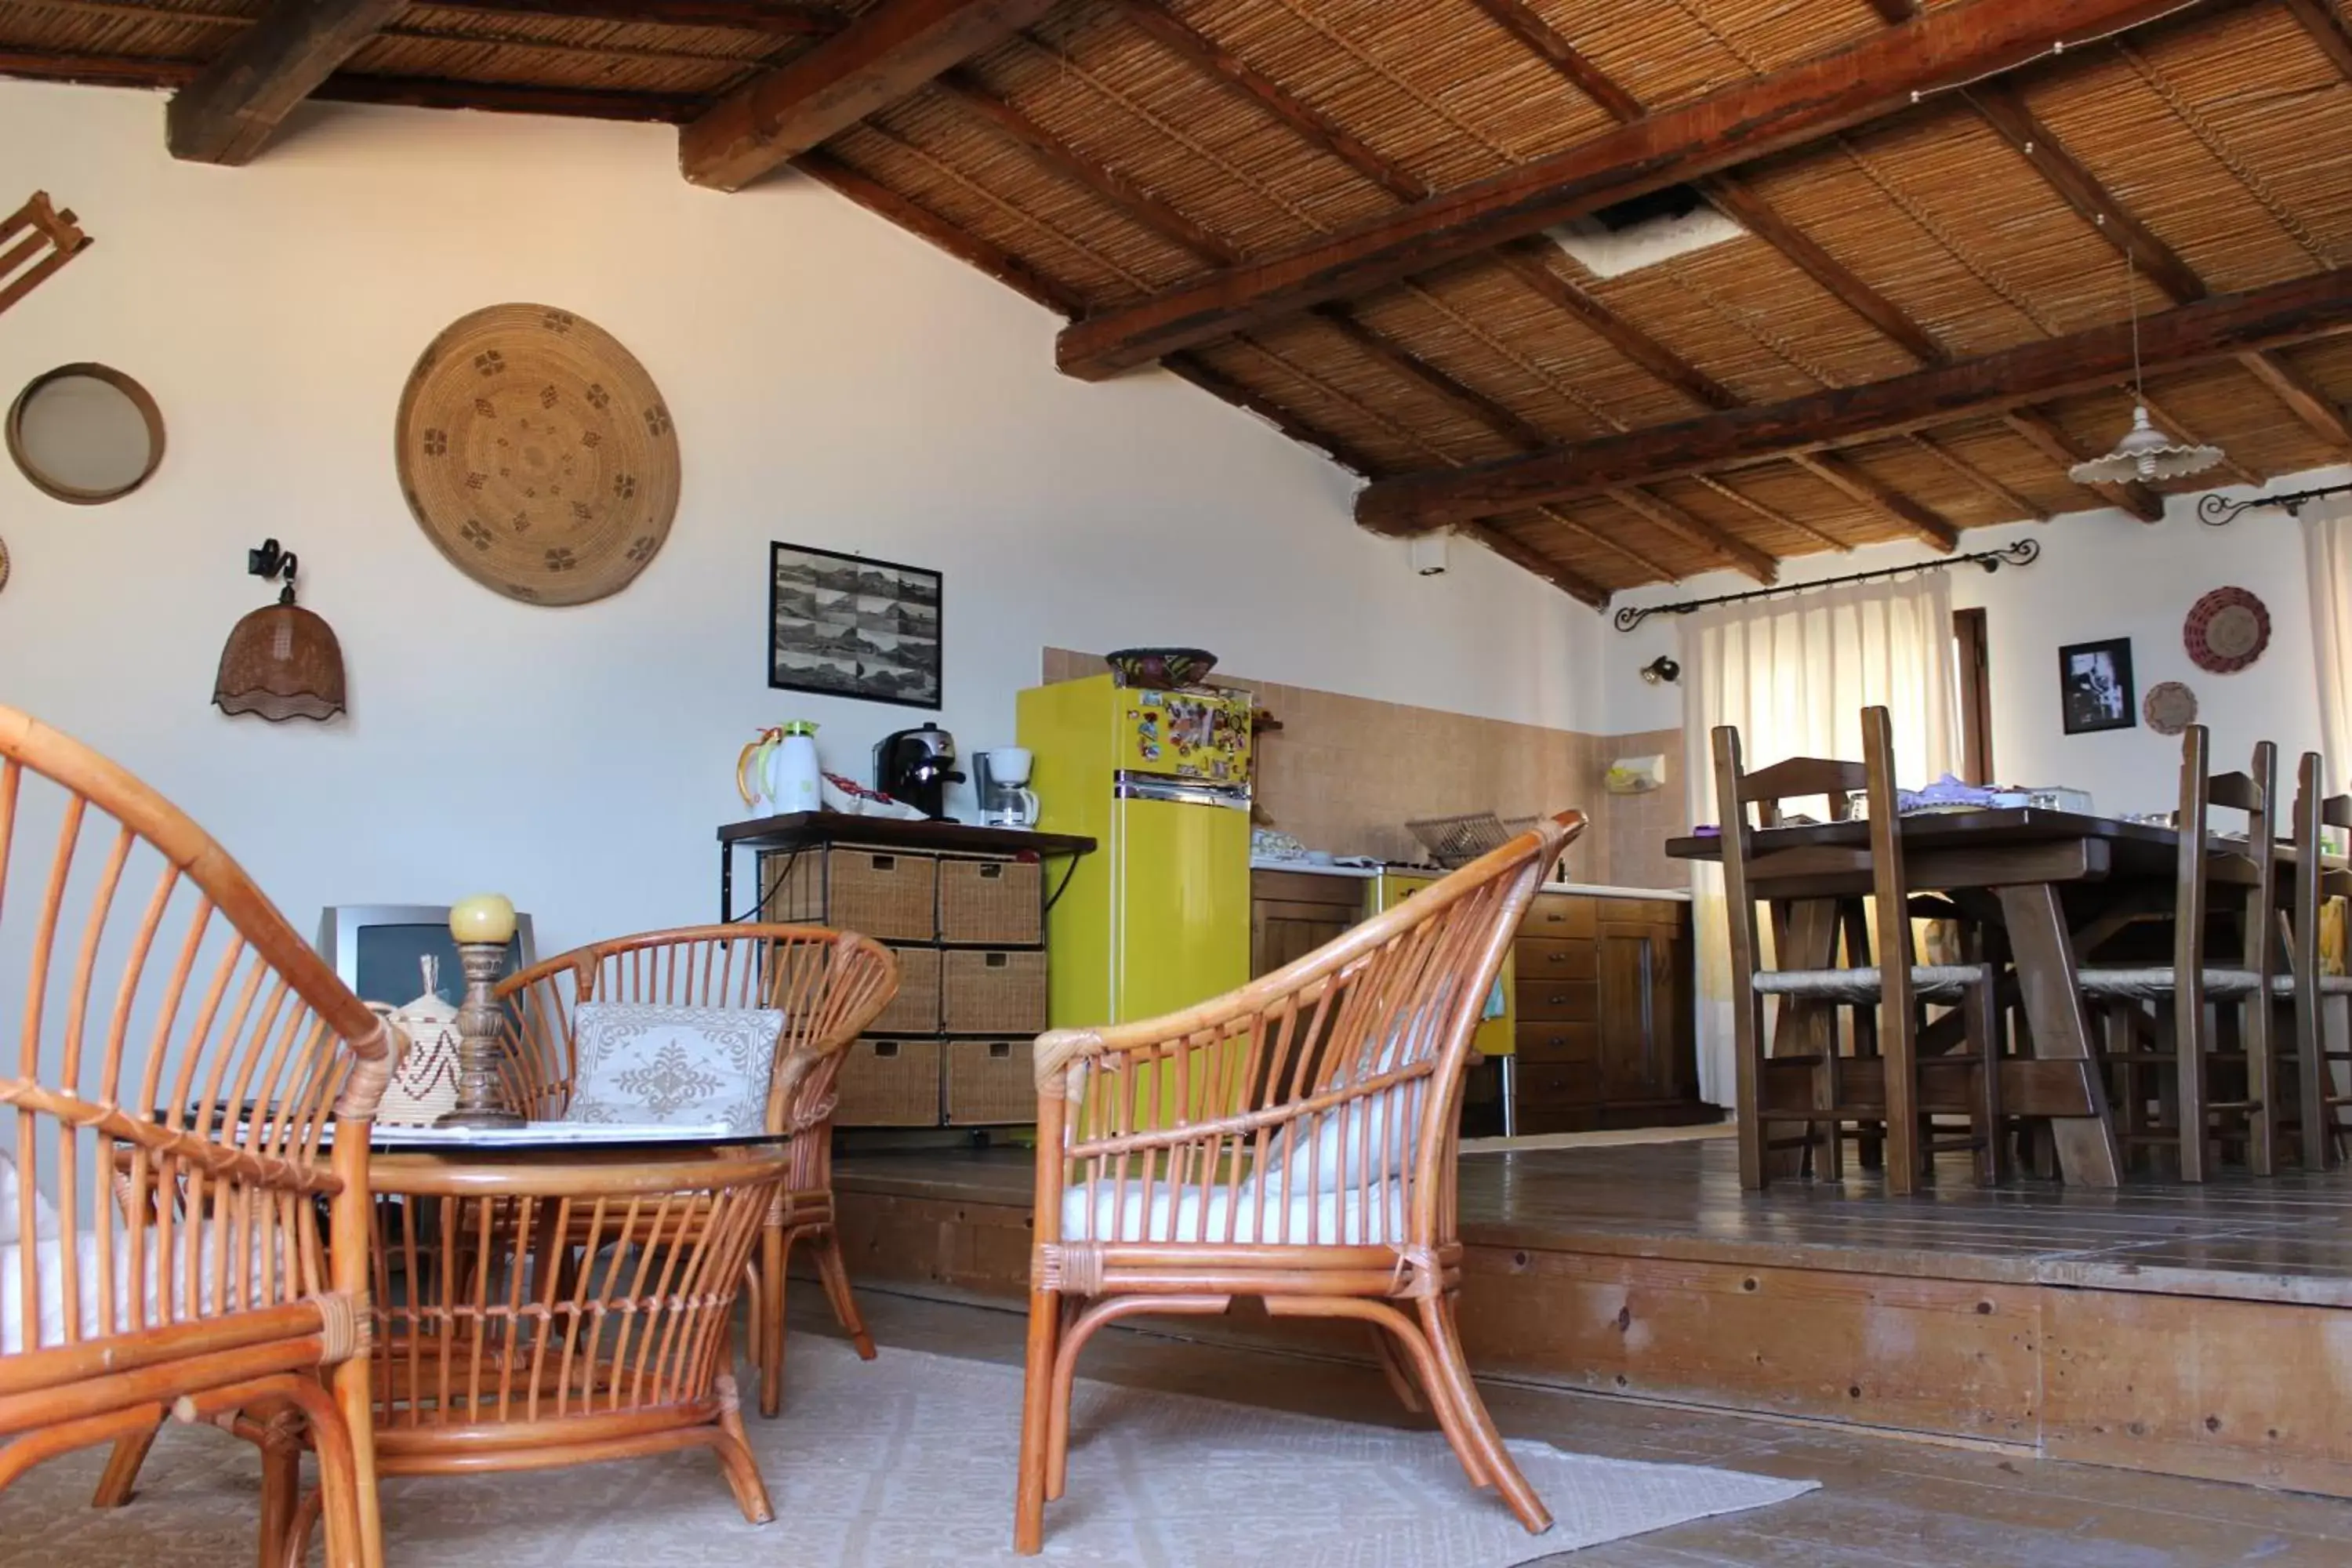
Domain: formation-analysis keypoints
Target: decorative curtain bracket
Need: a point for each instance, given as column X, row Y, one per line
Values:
column 2021, row 553
column 2215, row 511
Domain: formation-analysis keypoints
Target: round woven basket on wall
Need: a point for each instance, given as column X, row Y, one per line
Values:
column 538, row 455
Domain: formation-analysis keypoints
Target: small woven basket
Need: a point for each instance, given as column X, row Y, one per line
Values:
column 424, row 1084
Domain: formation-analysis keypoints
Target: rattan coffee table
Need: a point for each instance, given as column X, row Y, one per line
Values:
column 563, row 1304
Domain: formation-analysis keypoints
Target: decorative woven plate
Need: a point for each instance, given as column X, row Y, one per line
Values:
column 2227, row 630
column 2169, row 708
column 538, row 455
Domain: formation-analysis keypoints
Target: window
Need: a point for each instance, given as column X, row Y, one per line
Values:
column 1972, row 660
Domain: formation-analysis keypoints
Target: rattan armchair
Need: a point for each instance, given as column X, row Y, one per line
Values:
column 1292, row 1141
column 182, row 1059
column 829, row 985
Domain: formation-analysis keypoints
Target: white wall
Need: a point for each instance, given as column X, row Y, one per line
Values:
column 835, row 383
column 2101, row 574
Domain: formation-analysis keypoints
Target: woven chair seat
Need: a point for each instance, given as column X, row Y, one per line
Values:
column 2155, row 984
column 1211, row 1215
column 1933, row 981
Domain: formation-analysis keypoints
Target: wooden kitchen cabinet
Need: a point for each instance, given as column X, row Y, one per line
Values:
column 1292, row 913
column 1600, row 993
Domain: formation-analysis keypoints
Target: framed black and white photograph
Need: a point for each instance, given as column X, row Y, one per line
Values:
column 849, row 626
column 2095, row 685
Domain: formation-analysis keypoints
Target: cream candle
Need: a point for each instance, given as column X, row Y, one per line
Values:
column 485, row 917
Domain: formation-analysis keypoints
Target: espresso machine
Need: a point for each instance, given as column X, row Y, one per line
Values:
column 916, row 767
column 1002, row 776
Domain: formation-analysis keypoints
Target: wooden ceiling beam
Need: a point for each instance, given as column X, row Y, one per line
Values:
column 352, row 86
column 1315, row 128
column 776, row 17
column 1739, row 201
column 1573, row 584
column 1529, row 258
column 1894, row 12
column 1018, row 274
column 2305, row 398
column 2006, row 110
column 2217, row 327
column 1523, row 23
column 1218, row 384
column 227, row 114
column 964, row 246
column 1930, row 526
column 2327, row 29
column 2024, row 506
column 1697, row 531
column 886, row 54
column 1114, row 188
column 1864, row 81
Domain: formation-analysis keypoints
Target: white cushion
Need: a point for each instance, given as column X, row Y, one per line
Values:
column 1134, row 1211
column 1351, row 1143
column 266, row 1286
column 642, row 1063
column 45, row 1213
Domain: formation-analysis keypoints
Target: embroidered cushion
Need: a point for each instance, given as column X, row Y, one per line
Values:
column 642, row 1063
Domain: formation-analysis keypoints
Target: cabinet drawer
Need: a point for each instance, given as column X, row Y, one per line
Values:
column 996, row 901
column 1558, row 1083
column 1645, row 911
column 1537, row 1000
column 1558, row 915
column 1559, row 1042
column 915, row 1009
column 1545, row 958
column 888, row 1083
column 986, row 991
column 990, row 1083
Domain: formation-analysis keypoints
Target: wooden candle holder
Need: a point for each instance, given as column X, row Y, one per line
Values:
column 479, row 1023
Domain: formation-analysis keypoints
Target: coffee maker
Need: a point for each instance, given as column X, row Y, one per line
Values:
column 1004, row 802
column 916, row 767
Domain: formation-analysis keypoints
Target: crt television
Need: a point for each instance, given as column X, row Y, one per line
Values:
column 375, row 949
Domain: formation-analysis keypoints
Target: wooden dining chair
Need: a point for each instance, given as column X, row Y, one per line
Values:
column 183, row 1240
column 2321, row 1098
column 2161, row 1051
column 828, row 985
column 1897, row 1091
column 1294, row 1141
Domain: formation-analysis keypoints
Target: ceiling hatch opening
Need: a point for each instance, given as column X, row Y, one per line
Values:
column 1643, row 231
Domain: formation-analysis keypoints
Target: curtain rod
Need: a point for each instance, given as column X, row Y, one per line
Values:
column 2215, row 513
column 2020, row 553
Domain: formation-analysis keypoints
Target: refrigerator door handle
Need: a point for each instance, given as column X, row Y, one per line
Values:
column 1130, row 787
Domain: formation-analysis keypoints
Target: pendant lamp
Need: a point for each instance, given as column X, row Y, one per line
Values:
column 2145, row 452
column 281, row 661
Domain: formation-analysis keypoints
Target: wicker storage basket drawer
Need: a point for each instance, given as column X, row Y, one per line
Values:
column 997, row 901
column 888, row 1083
column 914, row 1010
column 994, row 993
column 990, row 1083
column 887, row 894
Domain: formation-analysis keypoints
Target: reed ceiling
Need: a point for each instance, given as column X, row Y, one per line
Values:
column 1111, row 151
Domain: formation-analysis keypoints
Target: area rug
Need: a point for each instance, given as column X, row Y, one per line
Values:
column 908, row 1462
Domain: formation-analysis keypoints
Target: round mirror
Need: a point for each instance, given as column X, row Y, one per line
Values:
column 85, row 434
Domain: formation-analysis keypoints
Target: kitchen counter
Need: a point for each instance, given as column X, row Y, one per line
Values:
column 1365, row 873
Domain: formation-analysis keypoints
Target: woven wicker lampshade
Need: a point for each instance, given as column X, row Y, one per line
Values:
column 281, row 661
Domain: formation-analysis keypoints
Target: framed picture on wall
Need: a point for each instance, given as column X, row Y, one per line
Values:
column 847, row 626
column 2095, row 685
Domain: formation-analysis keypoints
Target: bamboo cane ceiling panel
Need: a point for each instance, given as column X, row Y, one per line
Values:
column 2225, row 130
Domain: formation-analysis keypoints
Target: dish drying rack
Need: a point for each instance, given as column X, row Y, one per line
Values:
column 1455, row 841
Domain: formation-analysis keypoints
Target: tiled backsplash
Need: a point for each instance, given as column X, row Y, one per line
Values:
column 1346, row 773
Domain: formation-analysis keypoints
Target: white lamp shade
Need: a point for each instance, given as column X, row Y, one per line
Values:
column 2145, row 453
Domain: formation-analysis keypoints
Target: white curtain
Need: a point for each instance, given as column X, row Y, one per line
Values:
column 2327, row 554
column 1794, row 675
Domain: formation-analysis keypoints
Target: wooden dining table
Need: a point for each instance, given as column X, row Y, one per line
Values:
column 2060, row 884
